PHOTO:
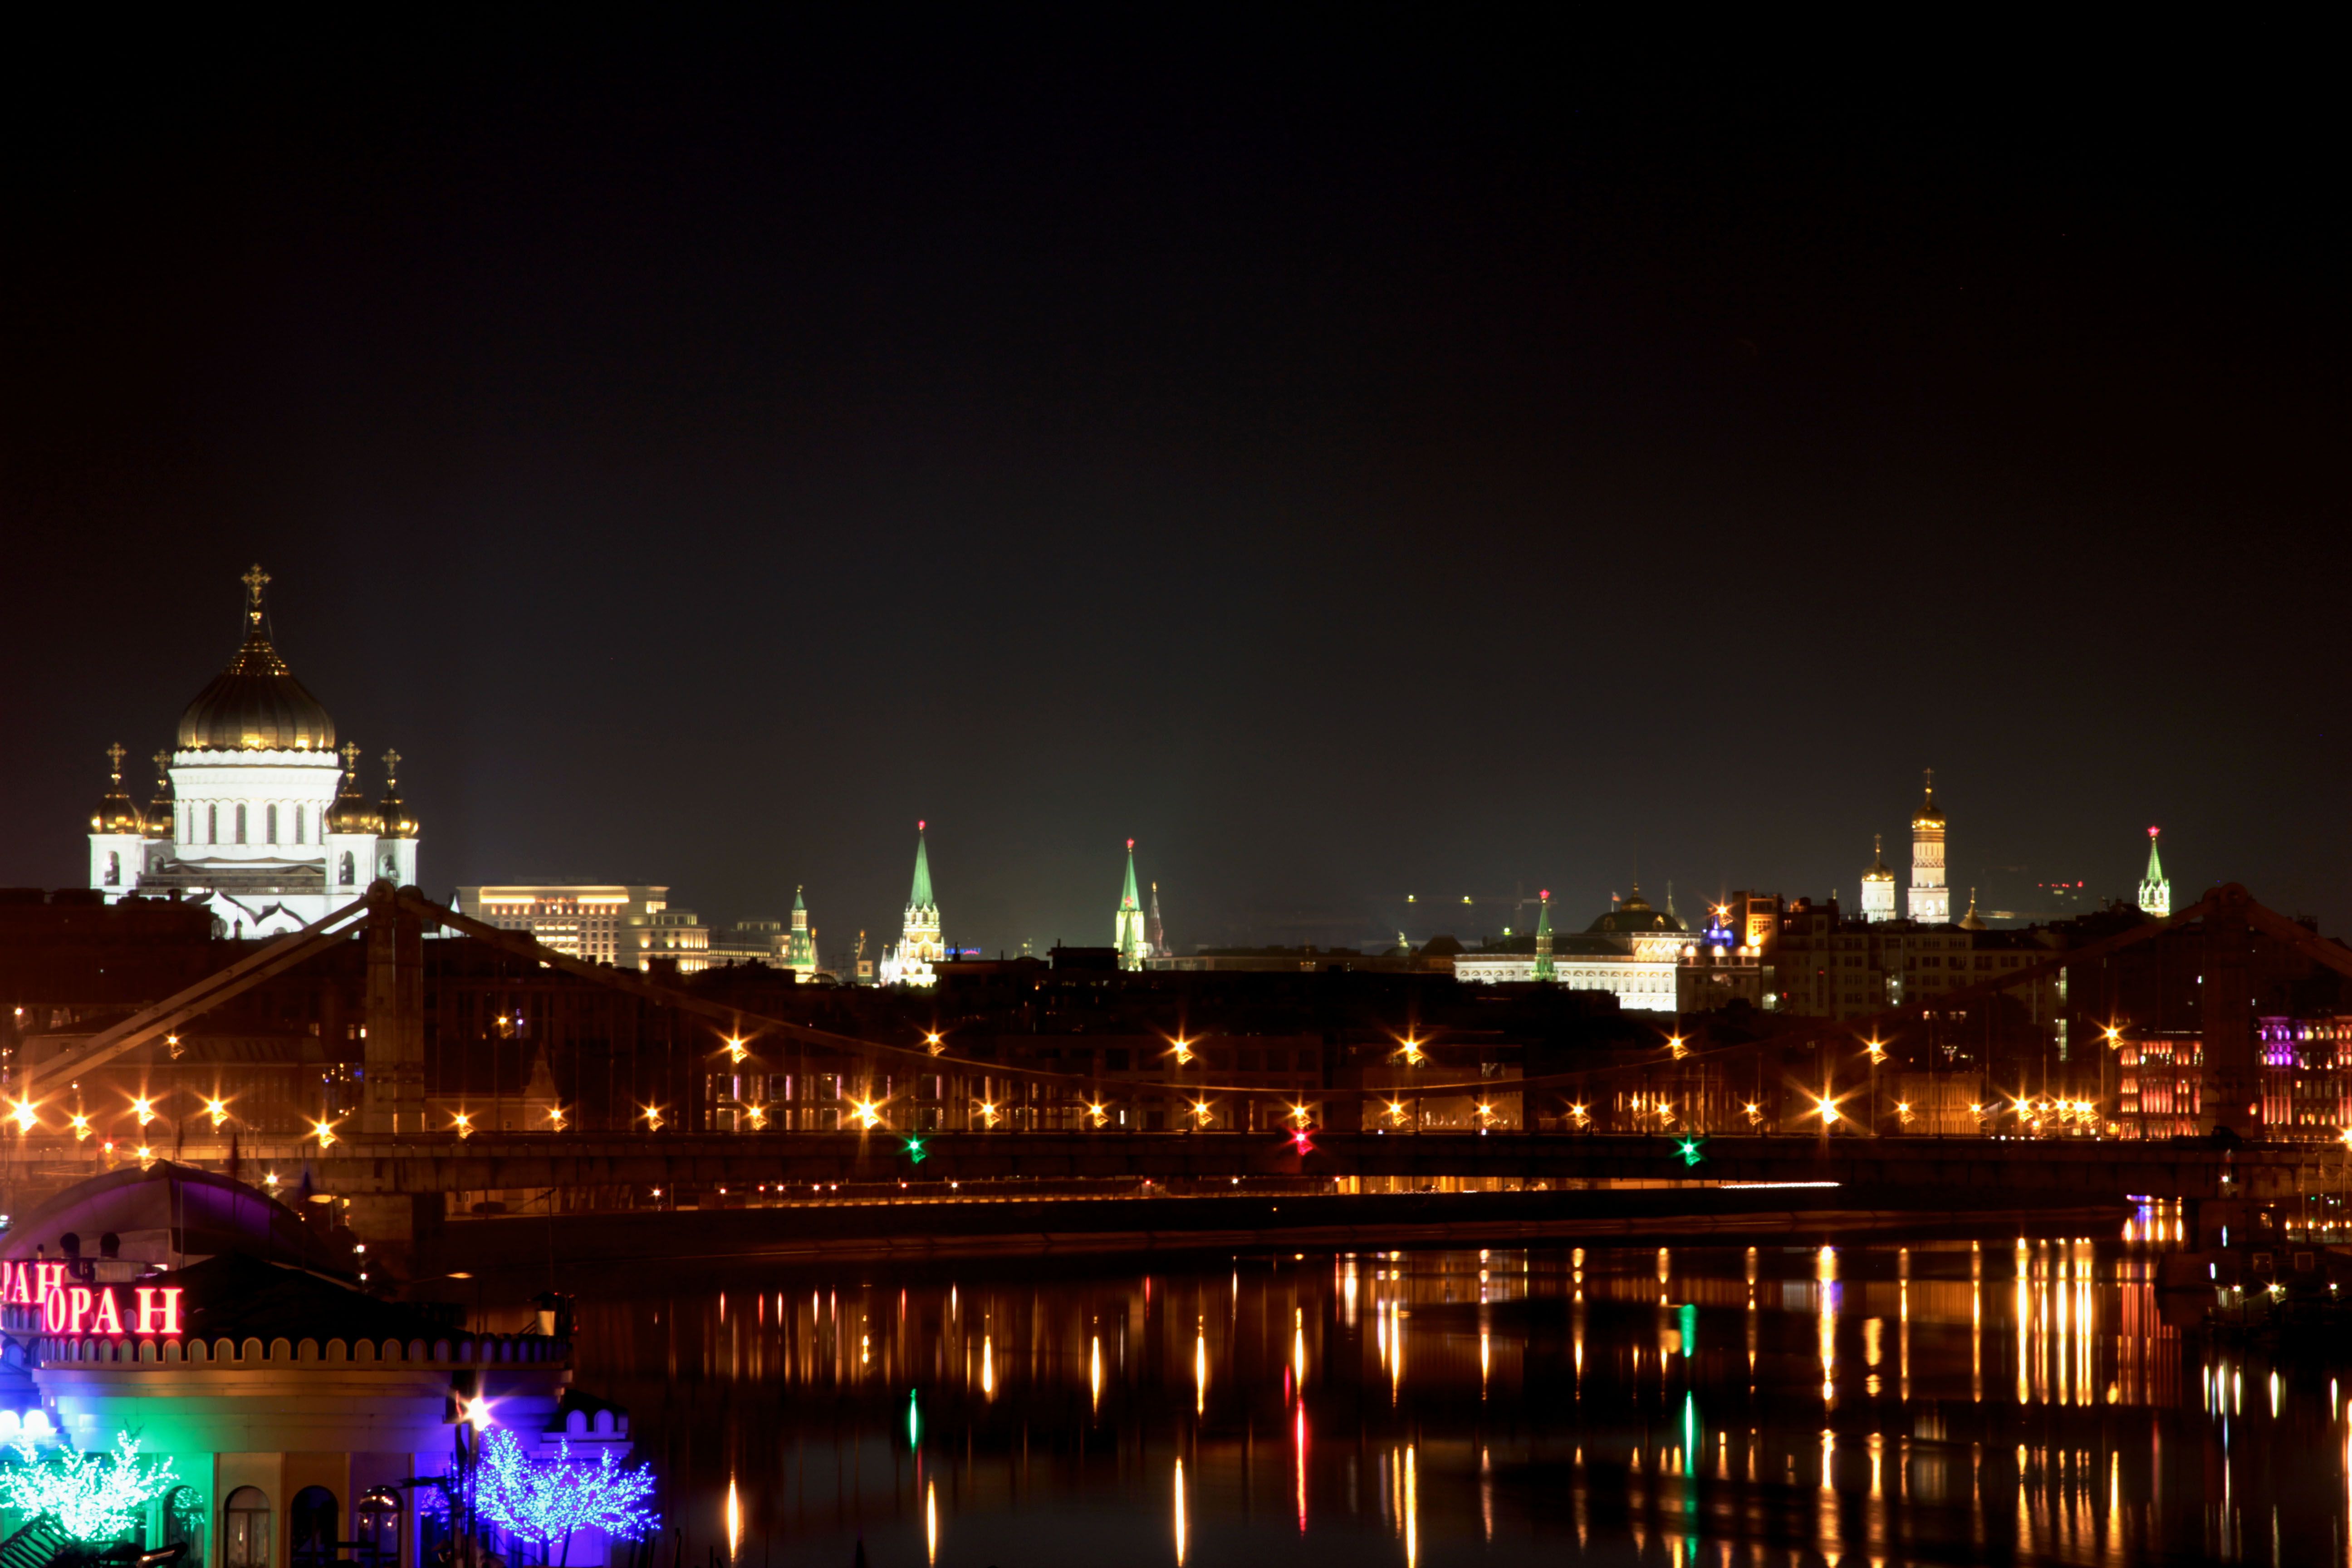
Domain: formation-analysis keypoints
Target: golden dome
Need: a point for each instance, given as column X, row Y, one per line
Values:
column 115, row 814
column 349, row 814
column 1879, row 871
column 391, row 816
column 255, row 704
column 1929, row 814
column 158, row 810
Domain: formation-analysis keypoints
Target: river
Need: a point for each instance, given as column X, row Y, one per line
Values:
column 1950, row 1403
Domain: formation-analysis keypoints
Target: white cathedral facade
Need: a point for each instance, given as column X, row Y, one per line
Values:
column 256, row 816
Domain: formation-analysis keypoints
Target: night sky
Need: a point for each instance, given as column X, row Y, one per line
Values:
column 1353, row 455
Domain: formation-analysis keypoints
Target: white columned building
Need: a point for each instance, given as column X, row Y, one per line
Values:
column 263, row 822
column 1931, row 900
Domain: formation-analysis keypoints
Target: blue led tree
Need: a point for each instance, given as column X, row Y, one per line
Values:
column 544, row 1500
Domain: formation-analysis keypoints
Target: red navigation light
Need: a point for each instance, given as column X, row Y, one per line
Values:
column 1131, row 846
column 921, row 825
column 1302, row 1143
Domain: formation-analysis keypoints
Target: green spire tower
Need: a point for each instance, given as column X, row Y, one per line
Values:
column 1544, row 970
column 919, row 946
column 2155, row 892
column 1128, row 931
column 800, row 947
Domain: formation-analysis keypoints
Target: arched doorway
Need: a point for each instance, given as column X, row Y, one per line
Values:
column 379, row 1528
column 317, row 1524
column 245, row 1530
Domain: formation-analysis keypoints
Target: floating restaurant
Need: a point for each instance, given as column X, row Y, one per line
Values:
column 192, row 1373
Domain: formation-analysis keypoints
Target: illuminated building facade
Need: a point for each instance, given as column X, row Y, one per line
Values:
column 2154, row 891
column 230, row 1339
column 600, row 922
column 919, row 948
column 1931, row 899
column 255, row 817
column 1632, row 951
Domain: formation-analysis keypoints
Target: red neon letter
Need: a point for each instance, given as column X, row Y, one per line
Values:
column 109, row 1320
column 48, row 1277
column 19, row 1291
column 77, row 1308
column 53, row 1312
column 159, row 1317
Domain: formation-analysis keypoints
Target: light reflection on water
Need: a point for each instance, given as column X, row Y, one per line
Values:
column 1958, row 1401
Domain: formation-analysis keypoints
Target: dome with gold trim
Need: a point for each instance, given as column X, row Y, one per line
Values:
column 1635, row 915
column 351, row 813
column 1879, row 870
column 255, row 704
column 1929, row 814
column 159, row 809
column 115, row 814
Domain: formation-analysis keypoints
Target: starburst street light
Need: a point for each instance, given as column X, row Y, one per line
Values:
column 1877, row 1052
column 324, row 1131
column 758, row 1115
column 144, row 1109
column 652, row 1117
column 1098, row 1112
column 1413, row 1054
column 1300, row 1116
column 1184, row 1051
column 80, row 1125
column 1581, row 1114
column 555, row 1119
column 1675, row 1047
column 1827, row 1112
column 461, row 1123
column 1755, row 1113
column 217, row 1108
column 933, row 1044
column 989, row 1115
column 735, row 1050
column 25, row 1116
column 869, row 1114
column 1201, row 1111
column 1396, row 1111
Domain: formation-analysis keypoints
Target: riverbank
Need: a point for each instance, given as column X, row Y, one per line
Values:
column 784, row 1235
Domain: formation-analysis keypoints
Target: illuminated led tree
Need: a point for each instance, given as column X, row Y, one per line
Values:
column 93, row 1497
column 544, row 1500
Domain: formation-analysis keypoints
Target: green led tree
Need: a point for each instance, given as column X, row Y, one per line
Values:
column 93, row 1497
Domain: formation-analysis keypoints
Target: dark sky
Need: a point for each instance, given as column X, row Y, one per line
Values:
column 1355, row 455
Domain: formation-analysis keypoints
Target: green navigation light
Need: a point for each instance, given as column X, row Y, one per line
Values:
column 915, row 1149
column 1691, row 1152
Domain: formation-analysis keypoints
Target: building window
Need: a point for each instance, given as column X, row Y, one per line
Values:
column 212, row 825
column 113, row 870
column 379, row 1527
column 240, row 823
column 269, row 819
column 297, row 826
column 317, row 1528
column 349, row 871
column 183, row 1525
column 245, row 1530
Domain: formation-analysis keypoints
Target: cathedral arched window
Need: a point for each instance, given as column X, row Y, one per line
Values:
column 212, row 825
column 113, row 870
column 240, row 823
column 269, row 821
column 350, row 872
column 297, row 826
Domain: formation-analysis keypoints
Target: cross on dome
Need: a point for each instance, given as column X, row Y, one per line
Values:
column 255, row 581
column 114, row 755
column 391, row 767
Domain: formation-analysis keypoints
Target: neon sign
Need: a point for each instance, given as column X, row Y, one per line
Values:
column 68, row 1308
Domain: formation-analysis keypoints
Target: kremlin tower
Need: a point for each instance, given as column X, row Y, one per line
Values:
column 1545, row 969
column 800, row 947
column 1931, row 900
column 2155, row 892
column 910, row 964
column 1155, row 934
column 1127, row 929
